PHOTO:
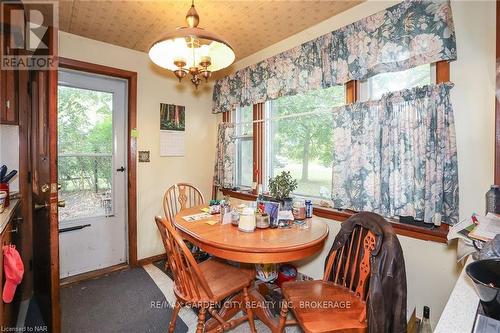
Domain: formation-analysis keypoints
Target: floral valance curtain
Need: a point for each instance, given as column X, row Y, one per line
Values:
column 406, row 35
column 224, row 172
column 397, row 156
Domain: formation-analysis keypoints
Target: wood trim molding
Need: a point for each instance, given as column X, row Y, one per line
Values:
column 150, row 260
column 258, row 143
column 131, row 77
column 436, row 235
column 351, row 91
column 92, row 275
column 497, row 101
column 442, row 71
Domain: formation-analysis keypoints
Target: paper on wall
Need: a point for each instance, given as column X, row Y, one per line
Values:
column 172, row 143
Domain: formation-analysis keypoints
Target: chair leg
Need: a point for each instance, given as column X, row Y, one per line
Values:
column 201, row 320
column 175, row 313
column 283, row 315
column 249, row 310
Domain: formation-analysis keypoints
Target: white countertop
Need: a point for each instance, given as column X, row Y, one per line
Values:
column 7, row 214
column 460, row 311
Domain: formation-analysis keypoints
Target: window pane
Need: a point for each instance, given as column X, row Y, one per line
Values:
column 246, row 178
column 303, row 145
column 244, row 118
column 386, row 82
column 244, row 146
column 85, row 144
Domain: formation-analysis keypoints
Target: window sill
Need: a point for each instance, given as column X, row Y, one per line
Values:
column 435, row 235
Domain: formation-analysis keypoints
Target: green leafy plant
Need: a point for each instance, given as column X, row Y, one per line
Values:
column 282, row 185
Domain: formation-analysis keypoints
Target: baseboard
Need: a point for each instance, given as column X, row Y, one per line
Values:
column 150, row 260
column 92, row 274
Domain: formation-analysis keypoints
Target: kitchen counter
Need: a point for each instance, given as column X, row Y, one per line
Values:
column 459, row 313
column 7, row 214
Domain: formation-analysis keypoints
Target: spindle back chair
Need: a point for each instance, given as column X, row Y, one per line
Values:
column 181, row 196
column 346, row 277
column 203, row 285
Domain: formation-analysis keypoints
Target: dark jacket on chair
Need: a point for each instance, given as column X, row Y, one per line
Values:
column 386, row 303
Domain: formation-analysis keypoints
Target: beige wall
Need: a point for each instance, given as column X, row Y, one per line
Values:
column 155, row 87
column 430, row 267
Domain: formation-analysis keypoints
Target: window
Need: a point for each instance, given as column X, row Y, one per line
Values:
column 243, row 117
column 302, row 144
column 298, row 135
column 377, row 85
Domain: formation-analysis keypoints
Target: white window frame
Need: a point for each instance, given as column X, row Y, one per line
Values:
column 239, row 139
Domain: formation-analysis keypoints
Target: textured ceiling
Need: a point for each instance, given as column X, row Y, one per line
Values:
column 248, row 26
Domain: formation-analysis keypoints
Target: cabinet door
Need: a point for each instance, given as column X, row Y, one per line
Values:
column 9, row 80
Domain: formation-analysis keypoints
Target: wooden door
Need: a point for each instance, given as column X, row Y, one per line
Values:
column 43, row 158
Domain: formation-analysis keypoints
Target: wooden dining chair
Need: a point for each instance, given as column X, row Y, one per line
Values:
column 176, row 198
column 337, row 303
column 204, row 285
column 181, row 196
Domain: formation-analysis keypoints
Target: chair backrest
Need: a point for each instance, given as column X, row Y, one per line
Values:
column 349, row 266
column 181, row 196
column 188, row 278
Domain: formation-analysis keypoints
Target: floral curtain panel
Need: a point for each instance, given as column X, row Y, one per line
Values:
column 398, row 156
column 406, row 35
column 224, row 173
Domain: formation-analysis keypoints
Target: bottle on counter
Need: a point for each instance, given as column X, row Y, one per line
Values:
column 493, row 200
column 309, row 209
column 425, row 324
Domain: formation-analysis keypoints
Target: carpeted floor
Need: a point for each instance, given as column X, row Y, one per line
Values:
column 125, row 301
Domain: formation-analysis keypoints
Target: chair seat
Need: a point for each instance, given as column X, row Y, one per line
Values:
column 224, row 280
column 324, row 306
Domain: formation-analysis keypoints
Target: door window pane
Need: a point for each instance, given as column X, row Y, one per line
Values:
column 303, row 144
column 85, row 144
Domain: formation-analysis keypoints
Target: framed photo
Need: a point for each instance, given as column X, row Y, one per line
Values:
column 271, row 208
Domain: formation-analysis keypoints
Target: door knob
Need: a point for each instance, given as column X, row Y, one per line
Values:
column 122, row 169
column 61, row 203
column 41, row 206
column 44, row 188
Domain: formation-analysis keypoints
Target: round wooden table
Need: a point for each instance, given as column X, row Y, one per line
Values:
column 259, row 247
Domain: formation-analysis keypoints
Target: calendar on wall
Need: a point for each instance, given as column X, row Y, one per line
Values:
column 172, row 130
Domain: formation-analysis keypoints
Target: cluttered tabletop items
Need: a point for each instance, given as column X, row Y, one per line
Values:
column 260, row 214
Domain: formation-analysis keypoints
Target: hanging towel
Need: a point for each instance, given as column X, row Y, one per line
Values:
column 13, row 269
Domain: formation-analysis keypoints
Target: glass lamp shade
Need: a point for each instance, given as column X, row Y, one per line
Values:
column 189, row 46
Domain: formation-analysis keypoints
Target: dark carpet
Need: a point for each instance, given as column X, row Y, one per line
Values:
column 34, row 320
column 125, row 301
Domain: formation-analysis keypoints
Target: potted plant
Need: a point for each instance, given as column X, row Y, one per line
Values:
column 281, row 186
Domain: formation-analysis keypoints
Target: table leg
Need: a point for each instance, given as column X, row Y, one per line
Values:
column 227, row 312
column 260, row 311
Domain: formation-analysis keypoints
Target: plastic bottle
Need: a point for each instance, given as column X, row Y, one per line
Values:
column 425, row 324
column 493, row 200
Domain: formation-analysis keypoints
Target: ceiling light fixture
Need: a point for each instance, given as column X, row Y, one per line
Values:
column 192, row 50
